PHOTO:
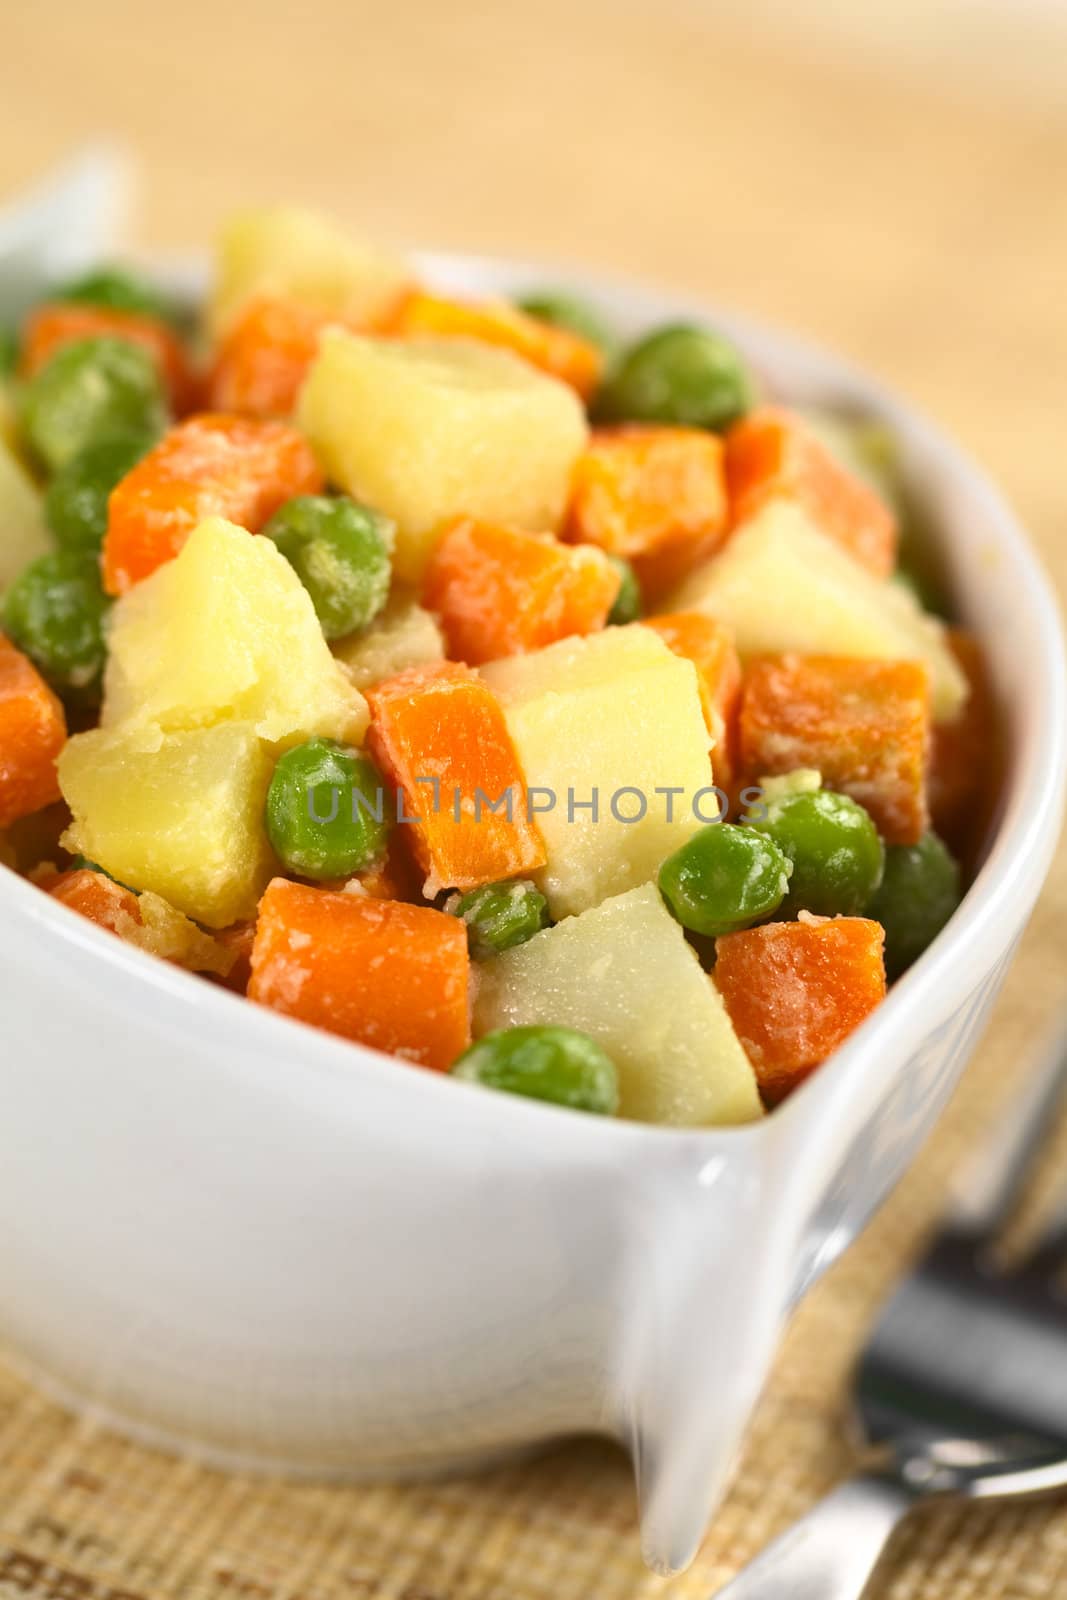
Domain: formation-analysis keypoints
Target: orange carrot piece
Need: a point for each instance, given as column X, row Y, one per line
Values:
column 237, row 941
column 33, row 730
column 264, row 358
column 655, row 495
column 51, row 326
column 96, row 896
column 210, row 465
column 439, row 735
column 864, row 724
column 381, row 973
column 964, row 754
column 772, row 455
column 796, row 990
column 709, row 645
column 501, row 592
column 557, row 351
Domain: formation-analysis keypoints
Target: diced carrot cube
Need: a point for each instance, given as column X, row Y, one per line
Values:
column 236, row 943
column 501, row 592
column 557, row 351
column 709, row 645
column 98, row 897
column 796, row 990
column 381, row 973
column 771, row 455
column 864, row 724
column 33, row 730
column 49, row 327
column 266, row 353
column 210, row 465
column 964, row 754
column 654, row 495
column 439, row 735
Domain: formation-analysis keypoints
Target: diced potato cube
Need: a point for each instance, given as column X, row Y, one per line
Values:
column 709, row 645
column 431, row 429
column 170, row 935
column 403, row 635
column 624, row 974
column 617, row 716
column 227, row 630
column 23, row 535
column 286, row 251
column 178, row 813
column 782, row 585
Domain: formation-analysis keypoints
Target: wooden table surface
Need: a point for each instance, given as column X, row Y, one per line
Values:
column 914, row 222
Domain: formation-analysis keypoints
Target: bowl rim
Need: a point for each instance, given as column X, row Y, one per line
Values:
column 1025, row 831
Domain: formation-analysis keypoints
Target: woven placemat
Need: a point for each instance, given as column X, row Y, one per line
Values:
column 85, row 1515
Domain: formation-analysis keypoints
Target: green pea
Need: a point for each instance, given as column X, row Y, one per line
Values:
column 90, row 389
column 678, row 374
column 55, row 611
column 837, row 855
column 9, row 351
column 75, row 503
column 544, row 1063
column 340, row 551
column 326, row 810
column 919, row 892
column 565, row 310
column 116, row 289
column 629, row 602
column 724, row 878
column 500, row 915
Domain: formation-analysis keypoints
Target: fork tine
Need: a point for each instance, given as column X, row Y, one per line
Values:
column 991, row 1185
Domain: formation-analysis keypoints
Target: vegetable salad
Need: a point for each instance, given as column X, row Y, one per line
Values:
column 552, row 711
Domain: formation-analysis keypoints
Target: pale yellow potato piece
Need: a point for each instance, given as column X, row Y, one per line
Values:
column 179, row 813
column 615, row 711
column 299, row 255
column 227, row 631
column 624, row 974
column 168, row 933
column 403, row 635
column 783, row 585
column 23, row 534
column 428, row 429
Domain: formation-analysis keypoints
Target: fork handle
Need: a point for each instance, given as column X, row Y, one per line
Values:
column 831, row 1553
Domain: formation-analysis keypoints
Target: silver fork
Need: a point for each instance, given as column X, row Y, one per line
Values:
column 961, row 1392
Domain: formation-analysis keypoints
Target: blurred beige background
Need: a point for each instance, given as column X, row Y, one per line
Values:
column 890, row 178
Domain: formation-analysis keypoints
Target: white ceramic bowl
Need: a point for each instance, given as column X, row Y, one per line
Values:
column 223, row 1229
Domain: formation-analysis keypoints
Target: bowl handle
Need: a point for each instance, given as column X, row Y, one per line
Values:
column 711, row 1272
